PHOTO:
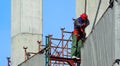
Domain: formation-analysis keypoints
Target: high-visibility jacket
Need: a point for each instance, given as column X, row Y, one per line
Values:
column 79, row 27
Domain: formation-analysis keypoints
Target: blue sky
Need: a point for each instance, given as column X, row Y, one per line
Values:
column 4, row 31
column 56, row 14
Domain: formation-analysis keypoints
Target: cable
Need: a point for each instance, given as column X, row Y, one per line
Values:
column 96, row 15
column 85, row 6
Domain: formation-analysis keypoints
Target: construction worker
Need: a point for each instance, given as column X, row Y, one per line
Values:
column 79, row 34
column 79, row 26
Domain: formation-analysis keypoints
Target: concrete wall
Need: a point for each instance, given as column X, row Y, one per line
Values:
column 37, row 60
column 27, row 40
column 99, row 48
column 102, row 46
column 91, row 10
column 26, row 16
column 117, row 30
column 26, row 27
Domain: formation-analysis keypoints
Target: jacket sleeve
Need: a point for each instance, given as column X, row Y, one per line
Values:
column 76, row 23
column 87, row 22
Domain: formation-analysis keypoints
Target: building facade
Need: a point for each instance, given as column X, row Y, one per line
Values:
column 102, row 45
column 26, row 27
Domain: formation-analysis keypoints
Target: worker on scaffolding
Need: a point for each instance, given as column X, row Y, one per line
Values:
column 79, row 34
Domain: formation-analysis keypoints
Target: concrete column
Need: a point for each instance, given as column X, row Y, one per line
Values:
column 26, row 27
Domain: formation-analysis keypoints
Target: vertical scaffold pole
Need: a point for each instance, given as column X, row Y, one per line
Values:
column 8, row 59
column 85, row 6
column 50, row 50
column 62, row 29
column 46, row 54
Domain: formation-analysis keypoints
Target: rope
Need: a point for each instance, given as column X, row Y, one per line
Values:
column 85, row 6
column 96, row 15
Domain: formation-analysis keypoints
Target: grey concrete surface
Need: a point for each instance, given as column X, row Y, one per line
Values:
column 26, row 27
column 102, row 45
column 37, row 60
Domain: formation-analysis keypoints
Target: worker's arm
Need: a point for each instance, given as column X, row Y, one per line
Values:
column 74, row 19
column 77, row 23
column 85, row 23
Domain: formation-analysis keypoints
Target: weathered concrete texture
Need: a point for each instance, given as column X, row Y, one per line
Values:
column 37, row 60
column 91, row 10
column 26, row 16
column 99, row 48
column 103, row 45
column 26, row 27
column 20, row 40
column 117, row 29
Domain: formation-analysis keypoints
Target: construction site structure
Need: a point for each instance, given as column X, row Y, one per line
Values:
column 8, row 61
column 60, row 50
column 26, row 27
column 102, row 45
column 56, row 51
column 36, row 60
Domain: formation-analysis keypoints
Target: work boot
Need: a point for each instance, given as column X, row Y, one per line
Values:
column 74, row 57
column 77, row 58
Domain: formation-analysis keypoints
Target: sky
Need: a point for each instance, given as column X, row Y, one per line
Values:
column 56, row 14
column 5, row 20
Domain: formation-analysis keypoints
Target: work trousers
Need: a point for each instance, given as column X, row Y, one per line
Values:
column 76, row 45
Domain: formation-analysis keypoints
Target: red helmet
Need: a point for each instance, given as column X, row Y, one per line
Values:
column 84, row 16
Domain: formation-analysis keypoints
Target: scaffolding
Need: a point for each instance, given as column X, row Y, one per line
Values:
column 8, row 61
column 59, row 50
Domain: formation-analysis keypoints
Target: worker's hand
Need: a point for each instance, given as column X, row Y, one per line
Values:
column 83, row 25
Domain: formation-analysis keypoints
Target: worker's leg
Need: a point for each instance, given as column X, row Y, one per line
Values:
column 79, row 48
column 73, row 49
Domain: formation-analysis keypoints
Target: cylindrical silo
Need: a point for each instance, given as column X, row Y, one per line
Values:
column 26, row 27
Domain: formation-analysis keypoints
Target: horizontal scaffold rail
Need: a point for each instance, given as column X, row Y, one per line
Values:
column 67, row 32
column 60, row 39
column 70, row 61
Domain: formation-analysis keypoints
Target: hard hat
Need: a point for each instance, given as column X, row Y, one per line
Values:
column 84, row 16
